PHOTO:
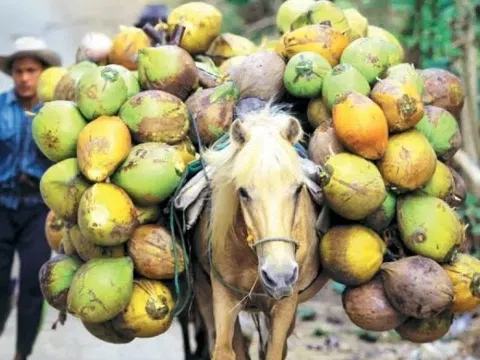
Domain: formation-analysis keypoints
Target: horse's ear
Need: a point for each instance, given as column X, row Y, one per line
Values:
column 238, row 133
column 292, row 131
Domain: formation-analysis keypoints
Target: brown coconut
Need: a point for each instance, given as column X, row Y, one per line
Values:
column 324, row 143
column 368, row 307
column 426, row 330
column 417, row 286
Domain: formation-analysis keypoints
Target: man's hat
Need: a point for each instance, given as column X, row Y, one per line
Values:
column 29, row 46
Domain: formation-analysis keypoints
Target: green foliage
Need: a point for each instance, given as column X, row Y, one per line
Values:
column 470, row 214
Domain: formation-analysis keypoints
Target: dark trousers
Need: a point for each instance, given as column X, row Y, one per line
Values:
column 22, row 230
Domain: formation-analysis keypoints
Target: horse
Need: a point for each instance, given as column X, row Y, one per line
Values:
column 255, row 242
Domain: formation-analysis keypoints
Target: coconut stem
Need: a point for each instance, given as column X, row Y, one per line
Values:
column 156, row 311
column 325, row 175
column 154, row 34
column 177, row 35
column 475, row 285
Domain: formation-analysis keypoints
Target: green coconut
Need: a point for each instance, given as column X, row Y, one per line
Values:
column 442, row 131
column 101, row 289
column 101, row 91
column 371, row 57
column 55, row 129
column 441, row 185
column 106, row 332
column 289, row 11
column 428, row 226
column 130, row 78
column 151, row 173
column 212, row 110
column 61, row 188
column 352, row 186
column 87, row 250
column 148, row 214
column 65, row 89
column 380, row 33
column 304, row 74
column 383, row 216
column 55, row 278
column 177, row 74
column 342, row 79
column 157, row 116
column 406, row 73
column 107, row 215
column 323, row 12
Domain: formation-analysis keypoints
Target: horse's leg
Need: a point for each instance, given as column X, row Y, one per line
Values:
column 226, row 310
column 184, row 322
column 240, row 345
column 282, row 320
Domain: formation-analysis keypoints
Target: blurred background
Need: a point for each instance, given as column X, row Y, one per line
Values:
column 434, row 33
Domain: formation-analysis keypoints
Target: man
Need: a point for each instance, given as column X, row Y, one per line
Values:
column 22, row 211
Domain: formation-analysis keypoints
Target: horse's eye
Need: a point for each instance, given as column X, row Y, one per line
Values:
column 298, row 190
column 243, row 194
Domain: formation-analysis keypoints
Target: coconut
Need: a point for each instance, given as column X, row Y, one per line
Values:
column 102, row 146
column 357, row 22
column 131, row 80
column 67, row 243
column 157, row 116
column 323, row 144
column 441, row 130
column 66, row 87
column 106, row 332
column 409, row 161
column 233, row 61
column 400, row 102
column 186, row 150
column 459, row 193
column 151, row 173
column 371, row 56
column 428, row 226
column 47, row 82
column 367, row 136
column 351, row 254
column 381, row 218
column 464, row 272
column 288, row 11
column 320, row 39
column 368, row 307
column 151, row 249
column 377, row 32
column 55, row 278
column 61, row 188
column 304, row 74
column 149, row 312
column 323, row 12
column 106, row 215
column 228, row 45
column 53, row 230
column 100, row 91
column 443, row 89
column 87, row 250
column 202, row 24
column 176, row 76
column 148, row 214
column 317, row 113
column 352, row 186
column 94, row 47
column 125, row 46
column 260, row 75
column 212, row 109
column 55, row 129
column 441, row 184
column 406, row 74
column 426, row 330
column 417, row 286
column 342, row 79
column 101, row 289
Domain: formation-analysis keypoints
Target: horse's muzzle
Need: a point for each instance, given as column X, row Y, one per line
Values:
column 279, row 281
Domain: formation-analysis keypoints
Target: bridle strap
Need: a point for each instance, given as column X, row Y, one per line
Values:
column 271, row 239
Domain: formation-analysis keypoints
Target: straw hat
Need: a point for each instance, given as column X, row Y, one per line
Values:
column 29, row 46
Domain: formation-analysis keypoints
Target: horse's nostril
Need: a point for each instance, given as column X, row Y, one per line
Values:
column 293, row 277
column 267, row 279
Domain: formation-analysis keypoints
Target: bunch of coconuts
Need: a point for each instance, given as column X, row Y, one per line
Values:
column 381, row 132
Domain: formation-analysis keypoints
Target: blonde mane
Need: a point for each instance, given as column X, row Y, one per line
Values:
column 266, row 157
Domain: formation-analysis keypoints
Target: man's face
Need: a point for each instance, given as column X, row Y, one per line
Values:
column 25, row 73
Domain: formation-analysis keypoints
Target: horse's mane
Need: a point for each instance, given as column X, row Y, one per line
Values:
column 263, row 159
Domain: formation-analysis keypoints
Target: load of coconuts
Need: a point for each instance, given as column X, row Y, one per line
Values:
column 120, row 126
